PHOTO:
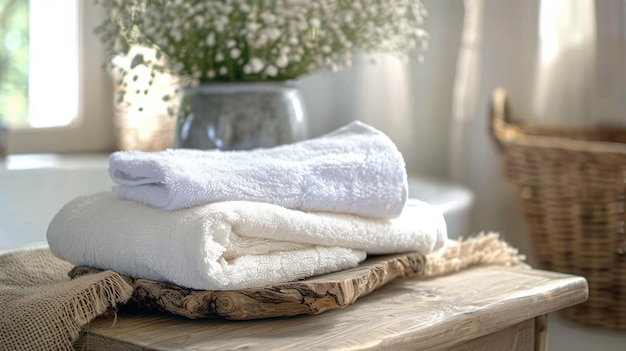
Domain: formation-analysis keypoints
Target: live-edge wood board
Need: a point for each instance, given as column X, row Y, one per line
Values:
column 310, row 296
column 482, row 308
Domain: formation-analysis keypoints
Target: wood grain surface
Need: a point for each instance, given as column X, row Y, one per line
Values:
column 311, row 296
column 441, row 313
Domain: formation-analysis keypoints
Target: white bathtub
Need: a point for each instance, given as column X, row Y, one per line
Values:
column 33, row 188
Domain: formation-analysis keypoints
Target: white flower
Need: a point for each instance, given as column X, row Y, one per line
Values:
column 243, row 7
column 256, row 64
column 272, row 33
column 210, row 40
column 219, row 57
column 349, row 17
column 223, row 70
column 271, row 71
column 235, row 53
column 253, row 26
column 315, row 23
column 268, row 18
column 282, row 61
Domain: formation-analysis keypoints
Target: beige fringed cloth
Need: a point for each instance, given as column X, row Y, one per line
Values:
column 42, row 309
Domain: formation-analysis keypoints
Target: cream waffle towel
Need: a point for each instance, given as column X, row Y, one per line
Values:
column 231, row 245
column 355, row 169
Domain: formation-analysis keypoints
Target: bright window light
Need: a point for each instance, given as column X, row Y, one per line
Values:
column 53, row 63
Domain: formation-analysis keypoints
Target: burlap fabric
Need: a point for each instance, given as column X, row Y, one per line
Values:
column 42, row 309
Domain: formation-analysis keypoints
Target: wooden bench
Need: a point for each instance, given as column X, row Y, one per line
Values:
column 483, row 308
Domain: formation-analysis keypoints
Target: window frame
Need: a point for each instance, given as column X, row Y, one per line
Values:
column 92, row 129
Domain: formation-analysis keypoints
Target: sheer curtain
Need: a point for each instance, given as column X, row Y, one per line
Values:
column 498, row 49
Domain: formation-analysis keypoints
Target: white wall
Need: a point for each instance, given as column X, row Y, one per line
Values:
column 419, row 123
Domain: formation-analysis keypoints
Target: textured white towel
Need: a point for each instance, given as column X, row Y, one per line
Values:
column 355, row 169
column 231, row 245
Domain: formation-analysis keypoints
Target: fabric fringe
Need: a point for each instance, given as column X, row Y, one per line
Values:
column 43, row 309
column 484, row 248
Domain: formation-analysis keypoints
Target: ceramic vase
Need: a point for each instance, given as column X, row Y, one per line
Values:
column 240, row 116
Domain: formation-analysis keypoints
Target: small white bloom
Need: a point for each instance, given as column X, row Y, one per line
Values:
column 256, row 64
column 243, row 7
column 268, row 17
column 282, row 61
column 272, row 71
column 210, row 40
column 235, row 53
column 223, row 70
column 210, row 74
column 272, row 33
column 326, row 49
column 349, row 17
column 219, row 57
column 230, row 43
column 315, row 23
column 247, row 69
column 253, row 26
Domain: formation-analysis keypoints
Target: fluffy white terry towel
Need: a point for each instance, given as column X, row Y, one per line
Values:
column 231, row 245
column 355, row 169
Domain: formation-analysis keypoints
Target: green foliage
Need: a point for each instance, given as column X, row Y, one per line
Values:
column 13, row 61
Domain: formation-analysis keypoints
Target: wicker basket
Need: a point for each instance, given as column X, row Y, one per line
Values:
column 571, row 187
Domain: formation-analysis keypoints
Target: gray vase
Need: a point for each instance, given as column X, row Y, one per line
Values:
column 240, row 116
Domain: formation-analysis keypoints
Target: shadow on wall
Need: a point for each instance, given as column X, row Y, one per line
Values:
column 411, row 102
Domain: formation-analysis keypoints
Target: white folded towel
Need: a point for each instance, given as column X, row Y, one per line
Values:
column 355, row 169
column 231, row 245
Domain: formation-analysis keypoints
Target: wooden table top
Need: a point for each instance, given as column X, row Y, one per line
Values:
column 423, row 314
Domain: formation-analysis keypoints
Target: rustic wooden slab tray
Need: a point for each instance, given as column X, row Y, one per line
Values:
column 311, row 296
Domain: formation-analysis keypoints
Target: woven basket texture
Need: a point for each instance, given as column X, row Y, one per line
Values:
column 571, row 187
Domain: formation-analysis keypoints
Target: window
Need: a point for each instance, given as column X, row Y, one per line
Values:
column 56, row 95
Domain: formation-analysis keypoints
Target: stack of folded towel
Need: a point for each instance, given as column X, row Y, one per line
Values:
column 225, row 220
